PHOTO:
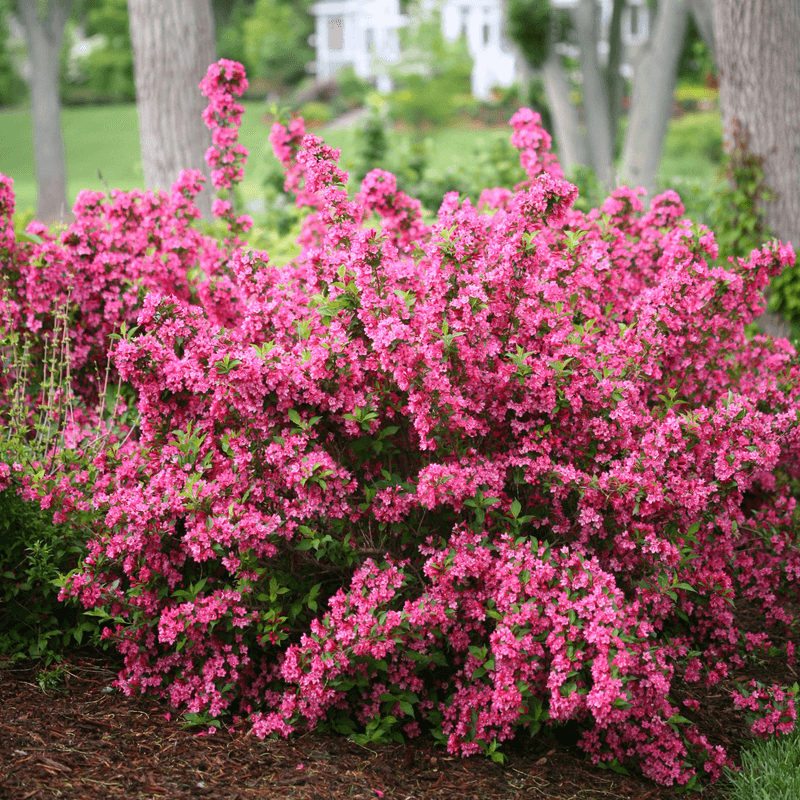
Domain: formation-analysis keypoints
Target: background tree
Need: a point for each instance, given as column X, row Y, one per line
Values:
column 537, row 28
column 173, row 45
column 758, row 56
column 44, row 22
column 652, row 100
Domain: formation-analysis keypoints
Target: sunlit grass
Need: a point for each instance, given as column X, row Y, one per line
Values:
column 770, row 770
column 106, row 139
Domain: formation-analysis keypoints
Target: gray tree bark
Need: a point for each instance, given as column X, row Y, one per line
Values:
column 44, row 24
column 651, row 104
column 758, row 56
column 595, row 97
column 614, row 80
column 571, row 142
column 173, row 46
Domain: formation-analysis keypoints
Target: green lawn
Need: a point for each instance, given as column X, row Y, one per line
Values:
column 106, row 138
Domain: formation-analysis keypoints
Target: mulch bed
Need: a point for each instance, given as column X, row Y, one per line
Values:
column 83, row 740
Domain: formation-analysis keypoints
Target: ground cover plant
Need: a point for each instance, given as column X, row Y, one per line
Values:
column 502, row 473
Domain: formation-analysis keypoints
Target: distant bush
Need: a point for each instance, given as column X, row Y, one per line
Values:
column 353, row 90
column 696, row 132
column 106, row 73
column 12, row 86
column 316, row 113
column 433, row 75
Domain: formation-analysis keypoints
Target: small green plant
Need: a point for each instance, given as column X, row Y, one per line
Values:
column 770, row 770
column 36, row 550
column 372, row 140
column 51, row 678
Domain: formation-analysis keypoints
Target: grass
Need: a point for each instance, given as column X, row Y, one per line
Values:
column 106, row 138
column 770, row 770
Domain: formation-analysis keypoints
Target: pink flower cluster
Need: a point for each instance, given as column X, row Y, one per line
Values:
column 771, row 710
column 225, row 81
column 506, row 470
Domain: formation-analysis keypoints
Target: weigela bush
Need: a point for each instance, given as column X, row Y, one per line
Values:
column 513, row 468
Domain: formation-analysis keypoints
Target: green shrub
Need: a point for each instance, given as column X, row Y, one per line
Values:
column 34, row 552
column 275, row 40
column 433, row 75
column 316, row 113
column 12, row 87
column 353, row 90
column 373, row 144
column 696, row 132
column 36, row 549
column 106, row 74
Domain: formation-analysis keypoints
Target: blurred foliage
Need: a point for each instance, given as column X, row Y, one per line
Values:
column 433, row 76
column 353, row 90
column 106, row 73
column 230, row 20
column 696, row 60
column 315, row 113
column 533, row 24
column 700, row 133
column 275, row 41
column 371, row 139
column 12, row 86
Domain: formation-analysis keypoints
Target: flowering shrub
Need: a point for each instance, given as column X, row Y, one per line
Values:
column 769, row 709
column 508, row 470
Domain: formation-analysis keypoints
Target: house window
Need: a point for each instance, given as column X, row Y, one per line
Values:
column 335, row 33
column 369, row 39
column 487, row 34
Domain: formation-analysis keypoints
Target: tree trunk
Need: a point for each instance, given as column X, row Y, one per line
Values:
column 758, row 57
column 651, row 105
column 571, row 142
column 614, row 81
column 595, row 97
column 173, row 46
column 44, row 34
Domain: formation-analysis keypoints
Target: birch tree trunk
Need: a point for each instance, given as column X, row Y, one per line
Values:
column 44, row 25
column 758, row 56
column 173, row 46
column 653, row 89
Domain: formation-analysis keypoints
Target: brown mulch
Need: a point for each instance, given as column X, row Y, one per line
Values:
column 81, row 739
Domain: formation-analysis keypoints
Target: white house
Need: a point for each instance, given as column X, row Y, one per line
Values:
column 480, row 22
column 363, row 33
